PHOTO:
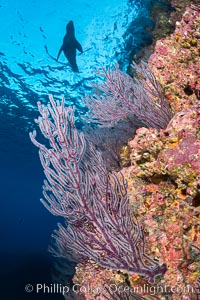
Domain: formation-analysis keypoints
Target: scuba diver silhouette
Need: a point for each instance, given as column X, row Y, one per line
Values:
column 69, row 46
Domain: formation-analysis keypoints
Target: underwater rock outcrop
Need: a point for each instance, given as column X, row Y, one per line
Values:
column 176, row 63
column 164, row 190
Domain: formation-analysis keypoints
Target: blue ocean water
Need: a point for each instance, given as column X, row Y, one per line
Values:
column 31, row 35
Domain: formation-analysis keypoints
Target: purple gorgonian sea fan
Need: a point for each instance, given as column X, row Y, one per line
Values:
column 93, row 202
column 120, row 96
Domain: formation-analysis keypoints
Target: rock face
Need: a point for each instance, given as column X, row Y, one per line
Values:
column 164, row 176
column 176, row 61
column 164, row 190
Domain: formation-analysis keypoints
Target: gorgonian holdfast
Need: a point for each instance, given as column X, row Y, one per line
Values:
column 99, row 225
column 120, row 96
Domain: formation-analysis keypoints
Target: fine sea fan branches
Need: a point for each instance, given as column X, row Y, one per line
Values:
column 93, row 202
column 120, row 96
